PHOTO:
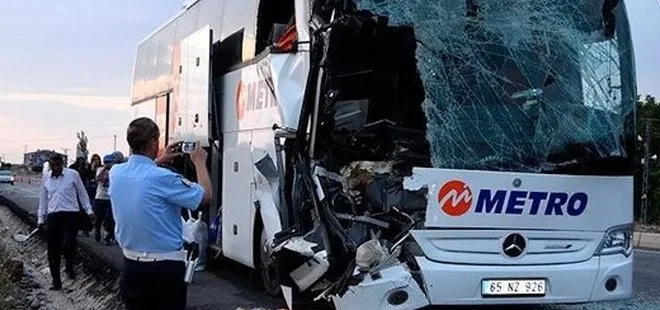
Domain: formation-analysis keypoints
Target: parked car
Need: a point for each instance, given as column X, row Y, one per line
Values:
column 6, row 176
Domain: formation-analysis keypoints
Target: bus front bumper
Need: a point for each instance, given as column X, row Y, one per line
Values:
column 452, row 284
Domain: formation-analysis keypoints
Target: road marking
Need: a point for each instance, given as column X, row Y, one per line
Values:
column 647, row 251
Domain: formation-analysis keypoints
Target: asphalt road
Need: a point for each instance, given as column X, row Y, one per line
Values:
column 228, row 286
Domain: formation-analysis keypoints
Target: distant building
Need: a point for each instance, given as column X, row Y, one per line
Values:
column 36, row 160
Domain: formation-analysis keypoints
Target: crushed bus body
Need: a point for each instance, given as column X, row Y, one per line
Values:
column 398, row 154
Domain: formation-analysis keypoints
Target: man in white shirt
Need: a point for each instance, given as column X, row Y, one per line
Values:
column 58, row 212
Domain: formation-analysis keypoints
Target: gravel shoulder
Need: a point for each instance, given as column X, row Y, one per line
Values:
column 28, row 264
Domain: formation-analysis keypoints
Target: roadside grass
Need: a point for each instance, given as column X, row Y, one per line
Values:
column 647, row 228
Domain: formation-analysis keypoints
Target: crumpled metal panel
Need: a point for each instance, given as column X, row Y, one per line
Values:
column 393, row 289
column 526, row 85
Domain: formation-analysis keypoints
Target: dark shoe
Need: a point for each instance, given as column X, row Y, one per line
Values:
column 85, row 234
column 109, row 241
column 97, row 236
column 57, row 285
column 71, row 275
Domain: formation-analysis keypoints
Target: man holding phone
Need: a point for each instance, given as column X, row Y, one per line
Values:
column 146, row 202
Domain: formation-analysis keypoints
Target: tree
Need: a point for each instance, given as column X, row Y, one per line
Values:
column 81, row 148
column 648, row 112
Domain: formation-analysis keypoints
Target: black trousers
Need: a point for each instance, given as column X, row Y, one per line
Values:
column 153, row 285
column 84, row 224
column 103, row 212
column 61, row 232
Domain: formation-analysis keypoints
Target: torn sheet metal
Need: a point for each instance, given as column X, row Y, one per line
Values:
column 521, row 85
column 312, row 270
column 390, row 289
column 266, row 167
column 298, row 245
column 288, row 296
column 369, row 254
column 320, row 171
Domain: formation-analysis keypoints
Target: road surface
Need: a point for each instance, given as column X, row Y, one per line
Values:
column 228, row 287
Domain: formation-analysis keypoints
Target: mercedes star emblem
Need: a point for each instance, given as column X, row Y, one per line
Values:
column 514, row 245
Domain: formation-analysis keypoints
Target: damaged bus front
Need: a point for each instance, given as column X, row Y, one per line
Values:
column 459, row 152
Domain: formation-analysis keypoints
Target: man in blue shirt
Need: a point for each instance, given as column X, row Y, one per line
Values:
column 146, row 204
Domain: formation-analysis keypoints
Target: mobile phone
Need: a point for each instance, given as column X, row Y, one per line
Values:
column 188, row 147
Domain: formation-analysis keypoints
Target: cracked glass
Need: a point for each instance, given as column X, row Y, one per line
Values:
column 523, row 85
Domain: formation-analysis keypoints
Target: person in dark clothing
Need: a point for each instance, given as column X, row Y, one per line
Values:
column 94, row 164
column 83, row 169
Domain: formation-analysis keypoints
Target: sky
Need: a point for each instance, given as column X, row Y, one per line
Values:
column 67, row 66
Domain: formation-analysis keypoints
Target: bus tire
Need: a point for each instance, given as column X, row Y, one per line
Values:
column 270, row 276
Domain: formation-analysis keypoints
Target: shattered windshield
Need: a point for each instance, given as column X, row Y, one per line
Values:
column 524, row 85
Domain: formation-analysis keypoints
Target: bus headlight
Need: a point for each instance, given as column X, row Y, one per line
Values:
column 618, row 239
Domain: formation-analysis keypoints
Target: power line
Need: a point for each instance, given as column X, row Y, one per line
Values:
column 54, row 139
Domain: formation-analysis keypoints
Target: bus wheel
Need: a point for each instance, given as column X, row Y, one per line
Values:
column 269, row 274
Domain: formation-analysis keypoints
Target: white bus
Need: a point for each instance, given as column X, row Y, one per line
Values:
column 397, row 154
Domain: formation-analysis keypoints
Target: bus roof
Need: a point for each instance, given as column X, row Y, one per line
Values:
column 183, row 10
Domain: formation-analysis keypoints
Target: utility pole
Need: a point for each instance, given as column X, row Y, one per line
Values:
column 24, row 153
column 646, row 172
column 115, row 143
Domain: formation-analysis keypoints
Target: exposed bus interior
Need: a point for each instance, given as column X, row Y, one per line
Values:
column 449, row 84
column 272, row 21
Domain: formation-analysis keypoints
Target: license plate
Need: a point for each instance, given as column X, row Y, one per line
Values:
column 513, row 287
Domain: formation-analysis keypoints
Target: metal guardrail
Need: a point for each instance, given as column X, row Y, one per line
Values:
column 28, row 179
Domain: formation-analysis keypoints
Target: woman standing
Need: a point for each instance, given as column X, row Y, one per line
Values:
column 94, row 164
column 103, row 207
column 91, row 183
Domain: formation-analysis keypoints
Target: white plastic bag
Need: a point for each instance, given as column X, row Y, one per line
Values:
column 195, row 230
column 188, row 228
column 201, row 234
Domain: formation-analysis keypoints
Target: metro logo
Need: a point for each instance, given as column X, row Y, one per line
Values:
column 254, row 96
column 455, row 199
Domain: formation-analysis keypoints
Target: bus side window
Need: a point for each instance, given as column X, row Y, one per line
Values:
column 227, row 53
column 272, row 15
